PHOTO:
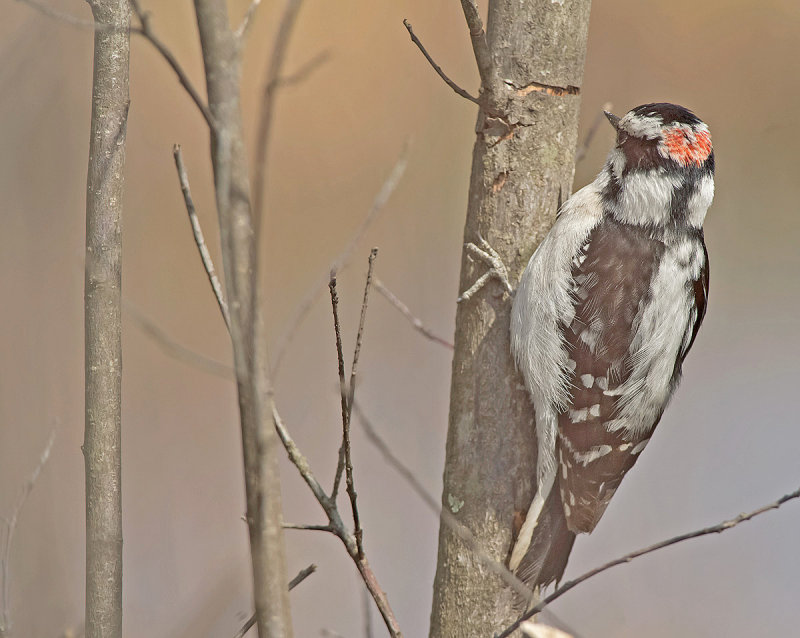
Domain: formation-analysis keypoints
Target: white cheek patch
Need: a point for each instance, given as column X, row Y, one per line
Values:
column 647, row 197
column 700, row 200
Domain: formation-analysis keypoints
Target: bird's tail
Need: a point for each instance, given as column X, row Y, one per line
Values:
column 546, row 558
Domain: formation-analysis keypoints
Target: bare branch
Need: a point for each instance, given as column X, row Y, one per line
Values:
column 172, row 348
column 11, row 528
column 349, row 541
column 486, row 66
column 342, row 387
column 345, row 457
column 301, row 463
column 301, row 576
column 310, row 528
column 360, row 334
column 146, row 30
column 415, row 322
column 587, row 142
column 197, row 231
column 387, row 188
column 303, row 73
column 627, row 558
column 437, row 68
column 265, row 116
column 336, row 525
column 67, row 18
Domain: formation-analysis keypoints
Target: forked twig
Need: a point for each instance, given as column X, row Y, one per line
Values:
column 627, row 558
column 197, row 231
column 345, row 457
column 404, row 310
column 331, row 511
column 437, row 68
column 146, row 30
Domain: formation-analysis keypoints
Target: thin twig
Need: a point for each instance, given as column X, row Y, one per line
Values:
column 301, row 463
column 247, row 20
column 146, row 30
column 301, row 576
column 387, row 188
column 480, row 47
column 404, row 310
column 584, row 148
column 265, row 115
column 302, row 74
column 11, row 527
column 68, row 18
column 174, row 349
column 197, row 231
column 360, row 334
column 342, row 387
column 437, row 68
column 310, row 528
column 714, row 529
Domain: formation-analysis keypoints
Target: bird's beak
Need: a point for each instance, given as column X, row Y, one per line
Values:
column 613, row 119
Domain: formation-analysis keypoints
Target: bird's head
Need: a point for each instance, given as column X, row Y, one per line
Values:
column 663, row 135
column 660, row 173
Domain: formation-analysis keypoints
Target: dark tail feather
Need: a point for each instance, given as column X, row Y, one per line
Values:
column 550, row 547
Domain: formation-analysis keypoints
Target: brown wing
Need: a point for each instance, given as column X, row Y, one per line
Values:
column 612, row 279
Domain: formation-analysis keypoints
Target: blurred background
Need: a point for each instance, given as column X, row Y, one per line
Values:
column 729, row 442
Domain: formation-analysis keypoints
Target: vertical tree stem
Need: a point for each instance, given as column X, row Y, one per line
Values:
column 102, row 298
column 523, row 163
column 239, row 253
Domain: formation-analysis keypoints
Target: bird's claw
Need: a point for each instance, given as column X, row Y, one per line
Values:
column 497, row 269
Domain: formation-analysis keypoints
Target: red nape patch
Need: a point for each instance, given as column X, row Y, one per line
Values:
column 680, row 147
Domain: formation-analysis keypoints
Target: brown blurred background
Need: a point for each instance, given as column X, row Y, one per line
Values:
column 729, row 442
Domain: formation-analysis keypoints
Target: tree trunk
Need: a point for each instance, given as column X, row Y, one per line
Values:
column 102, row 297
column 522, row 169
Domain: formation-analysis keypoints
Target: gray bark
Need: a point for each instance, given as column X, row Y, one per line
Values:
column 522, row 169
column 239, row 253
column 102, row 298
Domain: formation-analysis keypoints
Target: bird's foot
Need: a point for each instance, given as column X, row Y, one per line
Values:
column 497, row 269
